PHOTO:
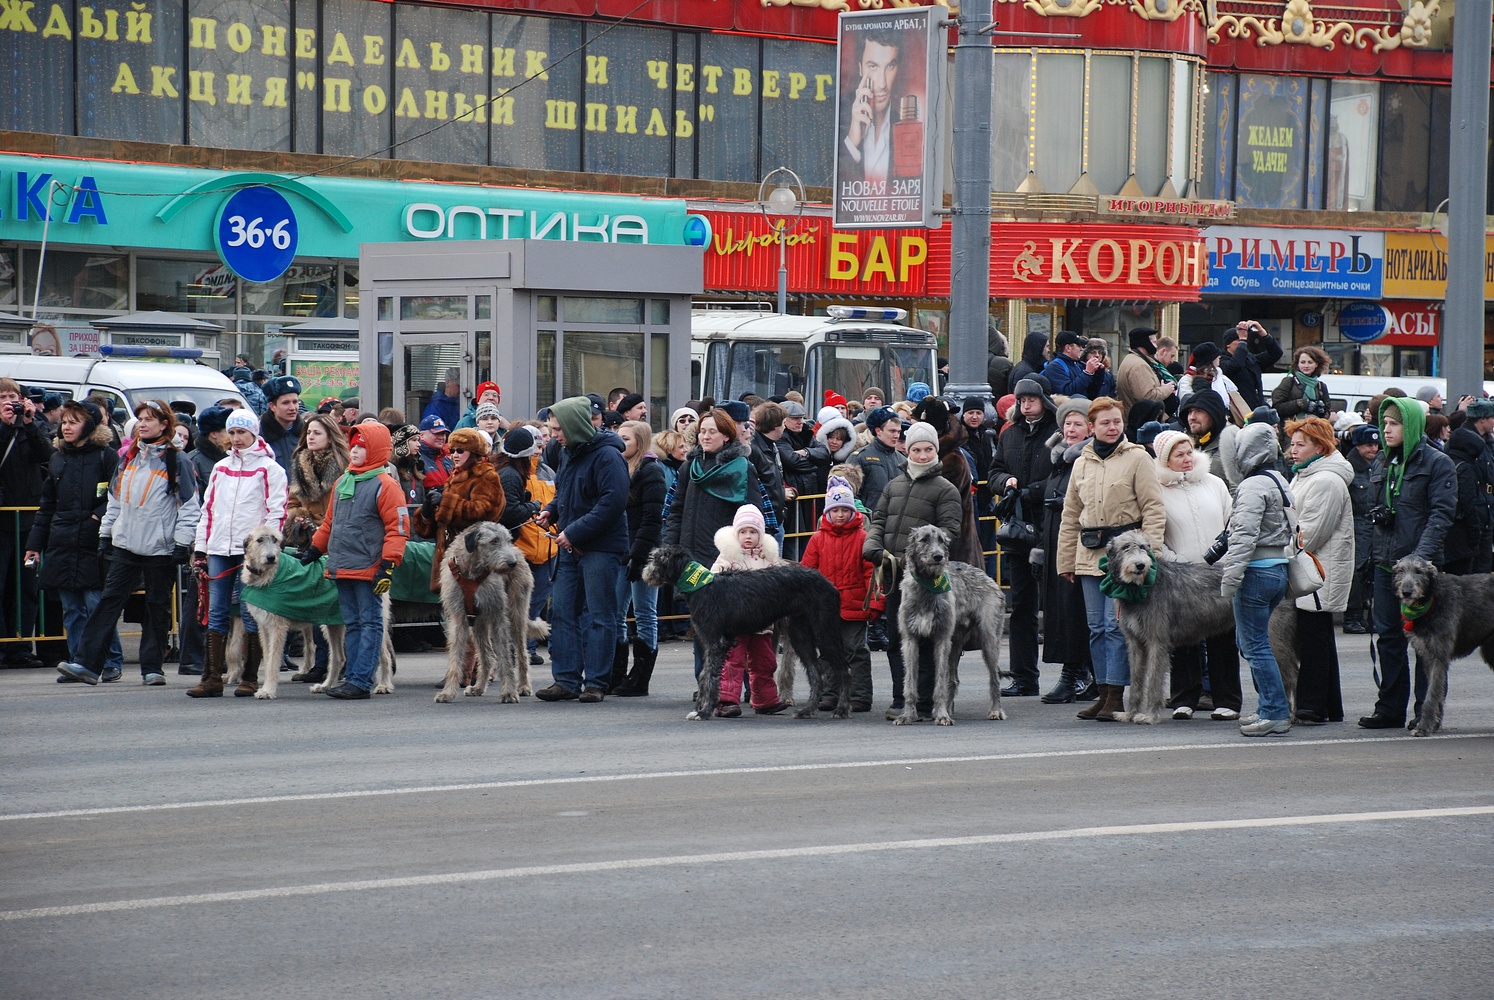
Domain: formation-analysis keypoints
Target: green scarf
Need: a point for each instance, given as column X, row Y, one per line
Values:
column 1299, row 466
column 1309, row 384
column 938, row 585
column 724, row 480
column 693, row 578
column 1411, row 612
column 1162, row 371
column 350, row 480
column 1133, row 592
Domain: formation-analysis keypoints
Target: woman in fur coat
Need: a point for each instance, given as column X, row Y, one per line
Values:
column 320, row 458
column 473, row 493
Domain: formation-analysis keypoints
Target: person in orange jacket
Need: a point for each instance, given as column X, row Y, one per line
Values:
column 364, row 535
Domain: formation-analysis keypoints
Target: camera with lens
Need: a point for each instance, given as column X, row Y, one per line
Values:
column 1218, row 549
column 1381, row 516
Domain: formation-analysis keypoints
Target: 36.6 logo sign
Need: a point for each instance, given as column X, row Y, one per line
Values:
column 257, row 233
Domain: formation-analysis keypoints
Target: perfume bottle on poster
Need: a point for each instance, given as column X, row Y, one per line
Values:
column 907, row 140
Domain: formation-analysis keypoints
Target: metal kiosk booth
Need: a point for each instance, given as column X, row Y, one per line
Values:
column 323, row 354
column 13, row 330
column 158, row 334
column 545, row 319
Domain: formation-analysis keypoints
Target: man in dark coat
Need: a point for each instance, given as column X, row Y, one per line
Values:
column 1471, row 540
column 806, row 467
column 281, row 424
column 1022, row 464
column 1364, row 448
column 24, row 453
column 1249, row 350
column 998, row 365
column 591, row 510
column 1034, row 358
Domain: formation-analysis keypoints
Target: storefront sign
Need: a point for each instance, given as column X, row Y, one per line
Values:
column 256, row 233
column 1313, row 263
column 1416, row 266
column 1362, row 322
column 177, row 208
column 743, row 256
column 1134, row 263
column 323, row 379
column 889, row 108
column 1178, row 209
column 1395, row 324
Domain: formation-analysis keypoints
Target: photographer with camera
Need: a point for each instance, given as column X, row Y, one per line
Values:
column 1250, row 350
column 1302, row 393
column 1416, row 496
column 24, row 454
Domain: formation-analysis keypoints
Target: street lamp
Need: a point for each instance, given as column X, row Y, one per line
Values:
column 778, row 206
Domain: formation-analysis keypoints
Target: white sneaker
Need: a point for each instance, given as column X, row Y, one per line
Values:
column 1182, row 713
column 1227, row 714
column 1266, row 727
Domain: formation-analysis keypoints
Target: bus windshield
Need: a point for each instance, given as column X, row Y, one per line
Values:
column 851, row 369
column 766, row 369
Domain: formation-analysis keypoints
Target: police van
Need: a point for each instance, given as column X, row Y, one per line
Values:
column 124, row 382
column 738, row 350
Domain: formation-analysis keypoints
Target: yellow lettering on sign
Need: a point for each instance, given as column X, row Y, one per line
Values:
column 596, row 69
column 683, row 126
column 375, row 100
column 627, row 119
column 305, row 43
column 821, row 82
column 503, row 110
column 658, row 71
column 201, row 87
column 336, row 94
column 373, row 50
column 1065, row 271
column 406, row 108
column 534, row 64
column 655, row 123
column 137, row 27
column 684, row 76
column 770, row 83
column 842, row 261
column 472, row 56
column 274, row 40
column 15, row 15
column 560, row 114
column 596, row 117
column 741, row 81
column 124, row 81
column 160, row 81
column 274, row 92
column 878, row 259
column 238, row 37
column 57, row 26
column 1142, row 254
column 503, row 61
column 238, row 88
column 911, row 252
column 407, row 57
column 440, row 61
column 340, row 53
column 797, row 83
column 435, row 104
column 711, row 75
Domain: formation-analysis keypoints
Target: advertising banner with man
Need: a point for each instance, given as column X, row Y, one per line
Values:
column 889, row 109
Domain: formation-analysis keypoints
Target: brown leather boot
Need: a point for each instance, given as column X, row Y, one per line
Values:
column 1098, row 705
column 252, row 655
column 1113, row 704
column 211, row 685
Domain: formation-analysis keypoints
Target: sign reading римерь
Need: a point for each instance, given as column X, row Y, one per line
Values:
column 1307, row 263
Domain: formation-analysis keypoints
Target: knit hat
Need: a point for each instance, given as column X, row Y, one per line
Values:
column 833, row 398
column 483, row 387
column 471, row 439
column 839, row 494
column 1163, row 444
column 1074, row 404
column 519, row 443
column 1481, row 409
column 918, row 392
column 401, row 435
column 243, row 419
column 214, row 418
column 1140, row 338
column 871, row 391
column 828, row 413
column 683, row 411
column 1264, row 415
column 90, row 412
column 876, row 418
column 629, row 401
column 976, row 403
column 921, row 431
column 1230, row 337
column 1004, row 405
column 487, row 410
column 749, row 515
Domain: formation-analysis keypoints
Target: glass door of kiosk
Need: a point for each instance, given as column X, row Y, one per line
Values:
column 425, row 363
column 435, row 340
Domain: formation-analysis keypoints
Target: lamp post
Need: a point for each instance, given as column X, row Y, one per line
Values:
column 781, row 203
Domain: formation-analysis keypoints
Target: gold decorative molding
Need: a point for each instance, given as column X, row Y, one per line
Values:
column 838, row 6
column 1164, row 10
column 1297, row 25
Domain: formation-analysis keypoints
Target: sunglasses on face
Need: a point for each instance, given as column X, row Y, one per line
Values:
column 459, row 451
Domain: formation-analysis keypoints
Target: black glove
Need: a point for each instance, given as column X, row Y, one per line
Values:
column 432, row 501
column 106, row 549
column 875, row 558
column 308, row 555
column 383, row 578
column 181, row 555
column 635, row 570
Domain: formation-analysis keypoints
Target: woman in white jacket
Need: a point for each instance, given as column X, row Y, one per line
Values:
column 246, row 489
column 1320, row 482
column 1198, row 507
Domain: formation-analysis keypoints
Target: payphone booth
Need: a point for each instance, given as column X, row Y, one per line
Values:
column 13, row 335
column 323, row 354
column 545, row 319
column 159, row 335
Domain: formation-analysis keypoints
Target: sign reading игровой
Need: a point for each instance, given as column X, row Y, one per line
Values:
column 1306, row 263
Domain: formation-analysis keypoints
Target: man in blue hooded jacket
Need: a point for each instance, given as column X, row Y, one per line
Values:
column 591, row 510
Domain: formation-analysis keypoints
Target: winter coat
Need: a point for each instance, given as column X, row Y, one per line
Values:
column 847, row 450
column 1219, row 443
column 1289, row 399
column 282, row 441
column 144, row 519
column 73, row 501
column 911, row 501
column 835, row 551
column 981, row 444
column 204, row 457
column 695, row 514
column 1425, row 510
column 24, row 454
column 437, row 465
column 1258, row 526
column 1023, row 451
column 1222, row 386
column 955, row 467
column 448, row 408
column 1362, row 496
column 472, row 494
column 1063, row 601
column 879, row 465
column 731, row 558
column 1474, row 519
column 1033, row 360
column 313, row 474
column 1198, row 506
column 371, row 527
column 1068, row 378
column 591, row 495
column 1244, row 366
column 805, row 461
column 769, row 468
column 1108, row 493
column 1136, row 379
column 519, row 505
column 247, row 489
column 645, row 513
column 1325, row 516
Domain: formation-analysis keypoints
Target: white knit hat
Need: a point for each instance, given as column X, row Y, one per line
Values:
column 1163, row 444
column 245, row 420
column 921, row 431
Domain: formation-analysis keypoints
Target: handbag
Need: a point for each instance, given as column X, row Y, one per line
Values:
column 1017, row 530
column 1239, row 410
column 1305, row 573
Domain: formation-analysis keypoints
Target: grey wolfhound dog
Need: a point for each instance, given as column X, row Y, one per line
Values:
column 971, row 604
column 262, row 561
column 1456, row 617
column 1183, row 608
column 803, row 605
column 485, row 588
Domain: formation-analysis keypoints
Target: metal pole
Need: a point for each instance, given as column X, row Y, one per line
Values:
column 782, row 267
column 1463, row 321
column 41, row 257
column 970, row 234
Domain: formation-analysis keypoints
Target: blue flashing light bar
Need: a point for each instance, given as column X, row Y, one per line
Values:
column 868, row 312
column 123, row 351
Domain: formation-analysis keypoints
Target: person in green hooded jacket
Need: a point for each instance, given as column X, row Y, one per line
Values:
column 1415, row 490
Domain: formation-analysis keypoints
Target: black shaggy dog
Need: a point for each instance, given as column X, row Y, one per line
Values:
column 804, row 606
column 1456, row 617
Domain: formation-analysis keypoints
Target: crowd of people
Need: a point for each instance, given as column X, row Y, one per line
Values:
column 1080, row 450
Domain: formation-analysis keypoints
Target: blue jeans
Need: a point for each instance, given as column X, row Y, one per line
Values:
column 1260, row 591
column 77, row 605
column 1107, row 645
column 224, row 585
column 581, row 648
column 645, row 611
column 363, row 614
column 537, row 600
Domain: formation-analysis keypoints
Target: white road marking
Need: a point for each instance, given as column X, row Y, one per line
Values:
column 685, row 860
column 484, row 786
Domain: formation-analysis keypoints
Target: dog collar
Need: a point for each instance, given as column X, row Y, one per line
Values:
column 938, row 585
column 1133, row 592
column 1411, row 612
column 693, row 578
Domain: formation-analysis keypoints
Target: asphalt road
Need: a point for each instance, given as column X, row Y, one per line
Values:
column 151, row 846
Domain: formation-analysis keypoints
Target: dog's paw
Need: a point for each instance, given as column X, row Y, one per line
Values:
column 841, row 712
column 473, row 691
column 1141, row 719
column 526, row 691
column 997, row 715
column 383, row 689
column 903, row 720
column 320, row 688
column 943, row 720
column 443, row 698
column 806, row 712
column 693, row 717
column 1121, row 716
column 508, row 699
column 264, row 695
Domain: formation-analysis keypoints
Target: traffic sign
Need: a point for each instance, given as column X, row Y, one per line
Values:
column 256, row 233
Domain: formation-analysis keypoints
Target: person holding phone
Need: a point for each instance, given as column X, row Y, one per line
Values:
column 866, row 127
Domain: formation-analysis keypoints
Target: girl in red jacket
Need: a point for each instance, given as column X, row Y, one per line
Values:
column 835, row 551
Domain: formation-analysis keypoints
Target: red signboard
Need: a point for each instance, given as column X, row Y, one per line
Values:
column 743, row 256
column 1412, row 324
column 1127, row 262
